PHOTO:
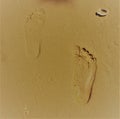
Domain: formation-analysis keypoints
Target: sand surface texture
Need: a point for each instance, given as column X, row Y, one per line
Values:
column 59, row 59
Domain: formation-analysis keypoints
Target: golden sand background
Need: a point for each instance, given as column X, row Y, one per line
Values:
column 40, row 88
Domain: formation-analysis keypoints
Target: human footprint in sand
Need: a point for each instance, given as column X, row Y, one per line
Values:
column 33, row 31
column 84, row 75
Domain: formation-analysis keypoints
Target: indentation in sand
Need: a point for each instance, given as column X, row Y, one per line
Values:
column 33, row 27
column 26, row 112
column 84, row 75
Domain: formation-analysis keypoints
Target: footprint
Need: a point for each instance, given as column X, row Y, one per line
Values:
column 84, row 75
column 33, row 26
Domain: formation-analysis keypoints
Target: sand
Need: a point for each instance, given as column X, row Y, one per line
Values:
column 44, row 71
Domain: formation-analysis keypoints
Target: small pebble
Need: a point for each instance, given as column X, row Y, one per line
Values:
column 102, row 12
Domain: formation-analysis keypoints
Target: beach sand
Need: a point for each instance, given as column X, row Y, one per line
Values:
column 41, row 63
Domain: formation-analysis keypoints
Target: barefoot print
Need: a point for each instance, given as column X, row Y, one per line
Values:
column 84, row 75
column 33, row 27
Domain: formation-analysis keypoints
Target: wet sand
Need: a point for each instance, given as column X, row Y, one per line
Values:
column 38, row 40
